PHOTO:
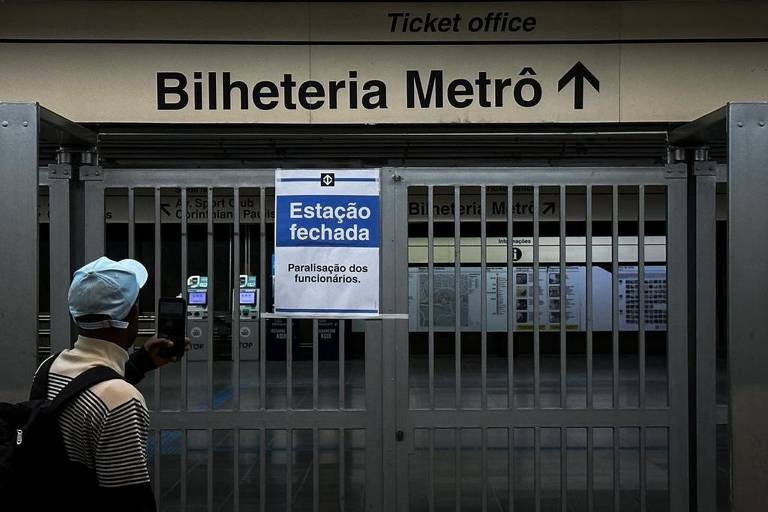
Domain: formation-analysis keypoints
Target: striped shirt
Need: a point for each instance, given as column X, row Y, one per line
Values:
column 105, row 428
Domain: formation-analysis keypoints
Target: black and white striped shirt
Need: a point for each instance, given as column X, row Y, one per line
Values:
column 105, row 428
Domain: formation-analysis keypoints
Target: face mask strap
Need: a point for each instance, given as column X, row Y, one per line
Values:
column 103, row 324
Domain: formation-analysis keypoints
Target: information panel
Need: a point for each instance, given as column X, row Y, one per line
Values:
column 550, row 302
column 327, row 240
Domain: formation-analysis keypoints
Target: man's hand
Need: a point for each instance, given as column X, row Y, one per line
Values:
column 153, row 347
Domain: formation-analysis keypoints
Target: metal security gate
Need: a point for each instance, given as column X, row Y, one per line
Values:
column 533, row 372
column 264, row 413
column 554, row 393
column 515, row 410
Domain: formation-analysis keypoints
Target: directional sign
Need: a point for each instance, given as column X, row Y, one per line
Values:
column 577, row 74
column 390, row 63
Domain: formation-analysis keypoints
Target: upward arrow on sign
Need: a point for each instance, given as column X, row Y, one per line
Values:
column 578, row 73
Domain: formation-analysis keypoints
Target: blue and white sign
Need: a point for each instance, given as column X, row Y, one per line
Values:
column 327, row 240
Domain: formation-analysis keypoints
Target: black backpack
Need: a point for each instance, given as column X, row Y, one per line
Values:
column 31, row 447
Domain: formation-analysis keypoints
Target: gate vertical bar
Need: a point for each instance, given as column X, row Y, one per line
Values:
column 342, row 472
column 511, row 467
column 157, row 435
column 184, row 360
column 615, row 292
column 641, row 336
column 537, row 468
column 289, row 464
column 589, row 300
column 315, row 365
column 642, row 432
column 615, row 340
column 396, row 359
column 616, row 469
column 209, row 469
column 289, row 362
column 431, row 473
column 315, row 468
column 236, row 468
column 563, row 466
column 236, row 344
column 590, row 350
column 747, row 302
column 263, row 470
column 391, row 257
column 158, row 284
column 211, row 298
column 236, row 303
column 19, row 125
column 563, row 306
column 457, row 465
column 702, row 297
column 262, row 302
column 431, row 294
column 510, row 313
column 374, row 391
column 183, row 287
column 183, row 477
column 342, row 365
column 483, row 303
column 641, row 305
column 484, row 469
column 590, row 470
column 677, row 222
column 536, row 294
column 457, row 289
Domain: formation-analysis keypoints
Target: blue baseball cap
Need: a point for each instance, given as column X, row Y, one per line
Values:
column 106, row 287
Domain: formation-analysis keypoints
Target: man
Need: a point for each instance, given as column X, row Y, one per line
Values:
column 105, row 428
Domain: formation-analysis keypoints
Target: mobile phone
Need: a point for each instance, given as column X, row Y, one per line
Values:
column 172, row 325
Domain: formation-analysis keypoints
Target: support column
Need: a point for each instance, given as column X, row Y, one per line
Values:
column 747, row 126
column 702, row 274
column 59, row 185
column 19, row 125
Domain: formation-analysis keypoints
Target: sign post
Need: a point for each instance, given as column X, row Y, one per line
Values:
column 327, row 240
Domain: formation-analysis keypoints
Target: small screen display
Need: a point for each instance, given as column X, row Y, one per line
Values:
column 198, row 298
column 248, row 298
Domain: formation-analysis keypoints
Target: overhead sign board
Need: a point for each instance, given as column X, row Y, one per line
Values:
column 473, row 62
column 327, row 240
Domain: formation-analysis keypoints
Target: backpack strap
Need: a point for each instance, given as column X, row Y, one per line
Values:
column 81, row 383
column 39, row 390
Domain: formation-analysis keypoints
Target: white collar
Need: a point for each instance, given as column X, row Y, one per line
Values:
column 104, row 352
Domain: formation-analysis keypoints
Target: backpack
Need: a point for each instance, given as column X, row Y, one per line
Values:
column 31, row 447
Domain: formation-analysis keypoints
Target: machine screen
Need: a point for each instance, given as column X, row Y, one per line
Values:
column 248, row 298
column 198, row 298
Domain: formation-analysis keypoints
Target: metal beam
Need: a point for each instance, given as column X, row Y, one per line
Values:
column 748, row 303
column 60, row 130
column 703, row 130
column 18, row 247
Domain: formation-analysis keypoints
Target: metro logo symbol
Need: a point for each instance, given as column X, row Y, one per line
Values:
column 327, row 179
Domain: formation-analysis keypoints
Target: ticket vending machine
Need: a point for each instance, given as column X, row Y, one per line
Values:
column 249, row 318
column 197, row 317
